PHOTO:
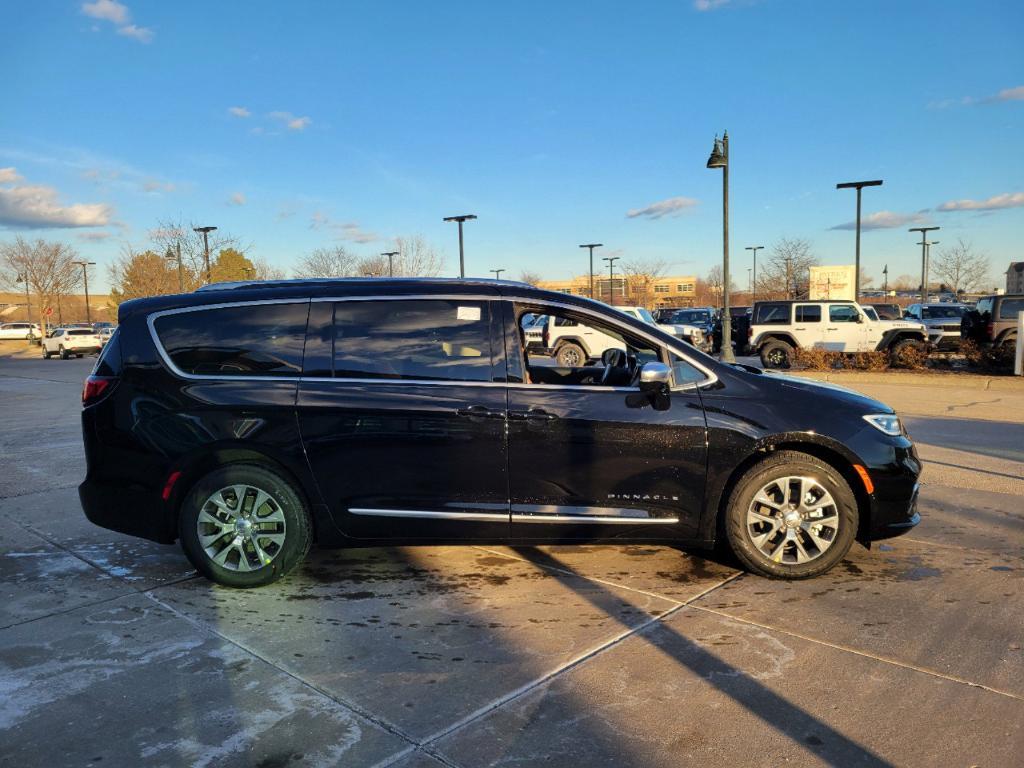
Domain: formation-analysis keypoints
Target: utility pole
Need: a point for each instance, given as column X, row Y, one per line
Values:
column 391, row 261
column 789, row 277
column 206, row 248
column 753, row 280
column 924, row 259
column 858, row 185
column 23, row 278
column 611, row 277
column 885, row 280
column 592, row 246
column 170, row 256
column 497, row 273
column 720, row 159
column 462, row 255
column 85, row 278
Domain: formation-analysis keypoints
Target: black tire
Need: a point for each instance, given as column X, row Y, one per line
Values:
column 776, row 353
column 780, row 465
column 63, row 353
column 571, row 355
column 298, row 527
column 46, row 354
column 901, row 348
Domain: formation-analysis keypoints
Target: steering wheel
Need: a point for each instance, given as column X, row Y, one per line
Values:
column 617, row 371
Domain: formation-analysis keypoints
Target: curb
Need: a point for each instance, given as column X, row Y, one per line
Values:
column 948, row 381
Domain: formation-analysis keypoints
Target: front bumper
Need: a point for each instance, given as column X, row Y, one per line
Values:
column 894, row 501
column 944, row 341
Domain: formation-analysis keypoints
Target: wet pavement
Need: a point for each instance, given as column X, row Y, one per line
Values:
column 112, row 652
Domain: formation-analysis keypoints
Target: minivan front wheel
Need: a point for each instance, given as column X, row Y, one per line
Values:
column 244, row 526
column 792, row 516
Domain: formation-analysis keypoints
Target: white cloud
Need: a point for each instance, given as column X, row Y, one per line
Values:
column 94, row 236
column 291, row 121
column 8, row 176
column 108, row 10
column 673, row 206
column 350, row 230
column 709, row 5
column 142, row 34
column 118, row 15
column 155, row 185
column 994, row 203
column 883, row 220
column 239, row 111
column 237, row 199
column 29, row 206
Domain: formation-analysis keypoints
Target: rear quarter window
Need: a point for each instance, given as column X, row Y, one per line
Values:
column 246, row 340
column 1009, row 308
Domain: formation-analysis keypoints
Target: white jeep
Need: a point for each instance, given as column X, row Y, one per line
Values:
column 691, row 334
column 778, row 328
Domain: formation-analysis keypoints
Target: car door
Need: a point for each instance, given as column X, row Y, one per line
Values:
column 844, row 329
column 402, row 417
column 808, row 328
column 587, row 461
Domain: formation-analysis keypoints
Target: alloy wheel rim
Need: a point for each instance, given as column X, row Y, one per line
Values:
column 793, row 520
column 241, row 528
column 571, row 357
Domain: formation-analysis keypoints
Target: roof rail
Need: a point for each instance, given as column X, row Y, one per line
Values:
column 237, row 284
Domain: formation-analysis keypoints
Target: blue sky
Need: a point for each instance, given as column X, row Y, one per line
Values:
column 550, row 121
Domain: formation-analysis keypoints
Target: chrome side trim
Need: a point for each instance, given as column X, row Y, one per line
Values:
column 486, row 517
column 602, row 519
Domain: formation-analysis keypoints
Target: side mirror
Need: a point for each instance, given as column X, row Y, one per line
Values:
column 654, row 387
column 860, row 318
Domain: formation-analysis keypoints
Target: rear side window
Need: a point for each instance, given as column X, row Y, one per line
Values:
column 81, row 332
column 842, row 313
column 772, row 314
column 247, row 340
column 810, row 313
column 109, row 362
column 1009, row 308
column 436, row 339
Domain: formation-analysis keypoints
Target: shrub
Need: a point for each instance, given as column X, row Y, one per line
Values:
column 989, row 359
column 912, row 356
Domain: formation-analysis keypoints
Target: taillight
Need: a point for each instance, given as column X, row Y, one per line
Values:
column 96, row 388
column 990, row 330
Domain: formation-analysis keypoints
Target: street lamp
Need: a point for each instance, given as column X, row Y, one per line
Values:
column 592, row 246
column 611, row 277
column 924, row 259
column 719, row 158
column 171, row 256
column 85, row 278
column 885, row 280
column 462, row 255
column 206, row 248
column 23, row 278
column 391, row 261
column 858, row 185
column 497, row 273
column 753, row 280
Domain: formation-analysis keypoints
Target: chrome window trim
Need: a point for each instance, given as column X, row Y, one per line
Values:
column 676, row 347
column 519, row 517
column 487, row 517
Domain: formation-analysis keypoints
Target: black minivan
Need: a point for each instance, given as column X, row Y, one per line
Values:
column 249, row 420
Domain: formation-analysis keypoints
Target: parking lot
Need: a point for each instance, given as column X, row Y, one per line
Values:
column 112, row 652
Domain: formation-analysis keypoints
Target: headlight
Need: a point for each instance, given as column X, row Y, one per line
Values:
column 885, row 422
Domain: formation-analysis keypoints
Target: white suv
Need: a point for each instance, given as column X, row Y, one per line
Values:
column 19, row 331
column 691, row 334
column 68, row 342
column 779, row 327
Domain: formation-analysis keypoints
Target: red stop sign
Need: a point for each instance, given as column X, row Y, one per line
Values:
column 49, row 311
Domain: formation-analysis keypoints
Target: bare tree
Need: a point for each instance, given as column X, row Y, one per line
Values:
column 47, row 267
column 785, row 272
column 641, row 275
column 168, row 235
column 530, row 278
column 905, row 283
column 328, row 262
column 264, row 270
column 417, row 258
column 961, row 268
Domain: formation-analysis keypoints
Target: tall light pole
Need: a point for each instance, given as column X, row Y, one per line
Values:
column 753, row 280
column 858, row 185
column 592, row 246
column 462, row 254
column 206, row 248
column 391, row 261
column 85, row 279
column 924, row 259
column 497, row 273
column 611, row 277
column 172, row 256
column 720, row 159
column 885, row 280
column 23, row 278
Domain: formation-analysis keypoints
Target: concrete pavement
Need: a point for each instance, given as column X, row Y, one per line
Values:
column 112, row 652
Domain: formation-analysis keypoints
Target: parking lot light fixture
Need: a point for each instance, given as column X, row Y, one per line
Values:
column 175, row 255
column 858, row 185
column 391, row 261
column 611, row 277
column 85, row 278
column 462, row 255
column 591, row 246
column 497, row 273
column 753, row 279
column 206, row 248
column 924, row 258
column 719, row 158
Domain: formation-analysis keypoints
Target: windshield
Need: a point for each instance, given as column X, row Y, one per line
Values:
column 934, row 312
column 691, row 317
column 646, row 316
column 870, row 312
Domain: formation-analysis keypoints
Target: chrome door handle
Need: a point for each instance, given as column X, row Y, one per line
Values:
column 534, row 414
column 480, row 411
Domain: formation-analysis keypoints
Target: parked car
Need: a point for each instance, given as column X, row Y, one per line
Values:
column 691, row 334
column 248, row 421
column 886, row 311
column 71, row 342
column 105, row 333
column 19, row 331
column 572, row 343
column 942, row 321
column 781, row 327
column 993, row 321
column 739, row 320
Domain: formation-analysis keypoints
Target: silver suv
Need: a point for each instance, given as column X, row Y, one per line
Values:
column 942, row 321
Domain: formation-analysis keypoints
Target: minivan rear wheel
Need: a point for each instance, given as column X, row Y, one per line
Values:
column 244, row 526
column 791, row 516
